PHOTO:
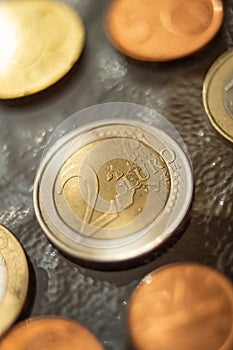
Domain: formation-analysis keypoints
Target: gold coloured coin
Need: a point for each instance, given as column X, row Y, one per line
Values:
column 217, row 95
column 3, row 277
column 182, row 306
column 50, row 333
column 40, row 41
column 14, row 281
column 107, row 190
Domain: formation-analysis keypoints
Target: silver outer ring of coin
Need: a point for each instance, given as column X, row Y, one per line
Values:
column 152, row 236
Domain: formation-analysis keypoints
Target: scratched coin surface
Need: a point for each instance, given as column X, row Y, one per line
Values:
column 13, row 279
column 40, row 42
column 50, row 333
column 162, row 30
column 114, row 191
column 182, row 306
column 218, row 95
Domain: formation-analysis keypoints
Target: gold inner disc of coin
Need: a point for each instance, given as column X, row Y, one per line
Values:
column 40, row 42
column 228, row 94
column 14, row 282
column 170, row 309
column 50, row 333
column 217, row 95
column 112, row 183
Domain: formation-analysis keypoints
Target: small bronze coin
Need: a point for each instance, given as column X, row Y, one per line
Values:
column 154, row 30
column 50, row 333
column 13, row 279
column 40, row 41
column 183, row 307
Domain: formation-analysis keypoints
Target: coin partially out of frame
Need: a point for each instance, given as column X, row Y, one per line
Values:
column 218, row 95
column 182, row 306
column 50, row 333
column 162, row 30
column 111, row 191
column 40, row 41
column 13, row 279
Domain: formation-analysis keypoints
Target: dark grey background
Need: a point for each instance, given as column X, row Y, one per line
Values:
column 99, row 299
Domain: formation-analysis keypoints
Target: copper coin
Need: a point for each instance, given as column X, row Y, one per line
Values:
column 154, row 30
column 182, row 307
column 50, row 333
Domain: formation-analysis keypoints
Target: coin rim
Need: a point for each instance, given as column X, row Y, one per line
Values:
column 12, row 303
column 224, row 281
column 212, row 74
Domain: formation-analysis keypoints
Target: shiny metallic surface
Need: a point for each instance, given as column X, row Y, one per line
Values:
column 228, row 95
column 89, row 218
column 217, row 95
column 51, row 333
column 3, row 277
column 92, row 296
column 189, row 305
column 13, row 280
column 40, row 42
column 162, row 31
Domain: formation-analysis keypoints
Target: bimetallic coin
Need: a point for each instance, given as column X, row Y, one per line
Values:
column 218, row 95
column 182, row 306
column 40, row 41
column 162, row 30
column 13, row 279
column 112, row 191
column 50, row 333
